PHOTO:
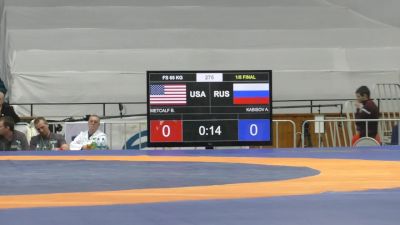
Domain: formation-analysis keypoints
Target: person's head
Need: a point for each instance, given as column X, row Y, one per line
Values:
column 93, row 123
column 1, row 97
column 42, row 126
column 6, row 125
column 363, row 93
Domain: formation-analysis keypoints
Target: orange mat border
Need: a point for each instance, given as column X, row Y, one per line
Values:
column 336, row 175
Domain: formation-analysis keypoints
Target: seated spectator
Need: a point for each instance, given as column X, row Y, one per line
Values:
column 11, row 139
column 46, row 140
column 93, row 138
column 7, row 110
column 395, row 135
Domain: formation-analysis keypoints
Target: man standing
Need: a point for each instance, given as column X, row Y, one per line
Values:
column 93, row 138
column 11, row 139
column 46, row 140
column 366, row 109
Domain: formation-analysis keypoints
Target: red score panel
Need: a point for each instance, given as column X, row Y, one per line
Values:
column 166, row 131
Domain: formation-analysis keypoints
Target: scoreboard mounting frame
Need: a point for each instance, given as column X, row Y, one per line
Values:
column 209, row 108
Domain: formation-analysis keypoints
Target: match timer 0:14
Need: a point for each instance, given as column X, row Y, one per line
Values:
column 203, row 131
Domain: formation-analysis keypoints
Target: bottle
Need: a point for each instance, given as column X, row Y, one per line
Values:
column 93, row 145
column 98, row 142
column 19, row 145
column 52, row 144
column 103, row 143
column 16, row 146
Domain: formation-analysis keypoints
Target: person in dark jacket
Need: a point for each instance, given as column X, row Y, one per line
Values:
column 395, row 135
column 7, row 110
column 366, row 109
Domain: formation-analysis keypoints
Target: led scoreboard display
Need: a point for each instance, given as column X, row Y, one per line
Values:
column 209, row 108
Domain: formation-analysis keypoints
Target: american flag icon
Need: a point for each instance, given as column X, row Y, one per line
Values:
column 168, row 94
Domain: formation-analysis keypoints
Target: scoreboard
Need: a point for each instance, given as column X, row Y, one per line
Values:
column 209, row 108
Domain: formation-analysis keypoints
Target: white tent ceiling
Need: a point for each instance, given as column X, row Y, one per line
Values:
column 99, row 50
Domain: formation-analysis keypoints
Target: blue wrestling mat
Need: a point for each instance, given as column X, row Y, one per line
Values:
column 264, row 186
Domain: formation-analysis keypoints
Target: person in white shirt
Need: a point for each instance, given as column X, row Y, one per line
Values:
column 93, row 138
